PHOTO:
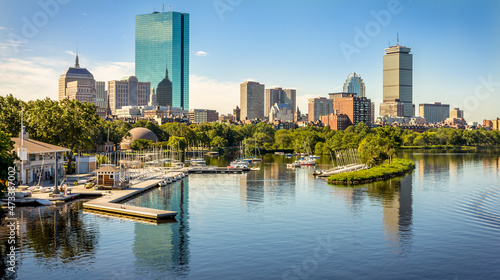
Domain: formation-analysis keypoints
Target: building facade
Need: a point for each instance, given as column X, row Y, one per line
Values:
column 279, row 95
column 127, row 92
column 435, row 112
column 203, row 115
column 457, row 113
column 251, row 101
column 336, row 122
column 357, row 109
column 161, row 45
column 281, row 112
column 398, row 82
column 85, row 83
column 354, row 84
column 320, row 106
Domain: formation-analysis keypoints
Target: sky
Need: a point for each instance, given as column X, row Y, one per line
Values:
column 311, row 46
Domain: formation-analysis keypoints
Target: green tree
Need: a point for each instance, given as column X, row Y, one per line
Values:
column 218, row 141
column 177, row 143
column 282, row 139
column 141, row 144
column 68, row 123
column 10, row 114
column 7, row 158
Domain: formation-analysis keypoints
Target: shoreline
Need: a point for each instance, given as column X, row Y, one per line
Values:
column 385, row 171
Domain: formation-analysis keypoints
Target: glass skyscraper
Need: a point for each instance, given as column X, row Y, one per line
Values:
column 162, row 44
column 354, row 84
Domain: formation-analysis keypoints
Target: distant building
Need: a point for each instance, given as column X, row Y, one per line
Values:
column 457, row 113
column 203, row 115
column 252, row 100
column 355, row 84
column 164, row 92
column 280, row 111
column 236, row 114
column 128, row 92
column 357, row 109
column 372, row 118
column 101, row 98
column 435, row 112
column 81, row 91
column 487, row 123
column 320, row 106
column 77, row 83
column 336, row 121
column 279, row 95
column 397, row 89
column 137, row 133
column 161, row 45
column 226, row 118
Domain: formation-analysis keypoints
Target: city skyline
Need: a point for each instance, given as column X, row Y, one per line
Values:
column 224, row 51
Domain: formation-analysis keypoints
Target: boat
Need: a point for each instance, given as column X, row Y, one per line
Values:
column 162, row 183
column 198, row 162
column 238, row 164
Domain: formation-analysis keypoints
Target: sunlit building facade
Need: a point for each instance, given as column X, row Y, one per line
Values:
column 398, row 82
column 354, row 84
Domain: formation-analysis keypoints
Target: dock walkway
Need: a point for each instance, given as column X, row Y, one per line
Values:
column 110, row 203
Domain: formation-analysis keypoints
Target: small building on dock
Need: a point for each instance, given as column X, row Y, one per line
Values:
column 108, row 176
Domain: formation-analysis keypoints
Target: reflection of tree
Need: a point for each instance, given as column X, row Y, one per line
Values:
column 61, row 234
column 5, row 249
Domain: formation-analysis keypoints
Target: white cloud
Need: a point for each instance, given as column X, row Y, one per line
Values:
column 71, row 53
column 207, row 93
column 84, row 14
column 112, row 70
column 3, row 28
column 200, row 53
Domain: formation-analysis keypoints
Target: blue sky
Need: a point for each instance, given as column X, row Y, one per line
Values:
column 292, row 44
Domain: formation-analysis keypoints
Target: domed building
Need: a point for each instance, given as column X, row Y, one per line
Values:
column 137, row 133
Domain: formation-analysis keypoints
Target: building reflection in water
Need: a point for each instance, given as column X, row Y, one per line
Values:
column 164, row 248
column 272, row 180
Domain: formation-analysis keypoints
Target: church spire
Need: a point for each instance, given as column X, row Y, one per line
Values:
column 77, row 63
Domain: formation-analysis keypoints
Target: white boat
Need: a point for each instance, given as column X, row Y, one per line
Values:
column 238, row 164
column 198, row 162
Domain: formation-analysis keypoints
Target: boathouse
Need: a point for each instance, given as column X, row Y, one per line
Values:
column 108, row 176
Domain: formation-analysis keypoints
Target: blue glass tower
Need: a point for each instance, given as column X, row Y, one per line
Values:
column 162, row 44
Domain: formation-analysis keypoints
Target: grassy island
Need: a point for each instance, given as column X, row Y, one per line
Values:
column 384, row 171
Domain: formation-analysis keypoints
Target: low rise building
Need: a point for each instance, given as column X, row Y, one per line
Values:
column 203, row 115
column 281, row 111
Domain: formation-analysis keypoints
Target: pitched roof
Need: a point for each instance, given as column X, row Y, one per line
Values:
column 33, row 146
column 107, row 168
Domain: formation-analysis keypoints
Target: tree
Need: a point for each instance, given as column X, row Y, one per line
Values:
column 218, row 141
column 177, row 143
column 7, row 158
column 68, row 123
column 141, row 144
column 10, row 114
column 282, row 139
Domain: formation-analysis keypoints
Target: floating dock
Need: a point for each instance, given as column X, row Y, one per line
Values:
column 216, row 170
column 111, row 203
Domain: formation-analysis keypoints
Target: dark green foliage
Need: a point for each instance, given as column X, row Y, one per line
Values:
column 7, row 158
column 141, row 144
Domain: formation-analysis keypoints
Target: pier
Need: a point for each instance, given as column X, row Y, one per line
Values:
column 215, row 170
column 110, row 203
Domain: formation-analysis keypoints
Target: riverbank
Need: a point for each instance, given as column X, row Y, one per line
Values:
column 384, row 171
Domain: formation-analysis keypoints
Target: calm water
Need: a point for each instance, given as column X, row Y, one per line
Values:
column 442, row 221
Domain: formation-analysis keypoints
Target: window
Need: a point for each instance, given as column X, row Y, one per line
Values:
column 111, row 176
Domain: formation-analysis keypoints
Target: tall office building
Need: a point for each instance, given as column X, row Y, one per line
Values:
column 457, row 113
column 279, row 95
column 435, row 112
column 101, row 99
column 354, row 84
column 127, row 92
column 320, row 106
column 81, row 90
column 398, row 81
column 251, row 100
column 161, row 45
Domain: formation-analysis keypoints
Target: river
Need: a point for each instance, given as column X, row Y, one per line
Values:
column 441, row 221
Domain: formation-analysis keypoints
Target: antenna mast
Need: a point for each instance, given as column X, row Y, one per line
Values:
column 398, row 39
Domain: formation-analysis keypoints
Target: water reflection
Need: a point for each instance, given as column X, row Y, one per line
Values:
column 165, row 244
column 396, row 199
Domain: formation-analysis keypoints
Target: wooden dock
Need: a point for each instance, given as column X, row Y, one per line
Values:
column 216, row 170
column 111, row 203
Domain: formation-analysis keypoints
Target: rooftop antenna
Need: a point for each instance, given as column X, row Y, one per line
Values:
column 163, row 7
column 169, row 8
column 398, row 39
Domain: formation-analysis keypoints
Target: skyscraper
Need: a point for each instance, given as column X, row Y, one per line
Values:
column 398, row 82
column 164, row 92
column 252, row 100
column 127, row 92
column 161, row 45
column 354, row 84
column 320, row 106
